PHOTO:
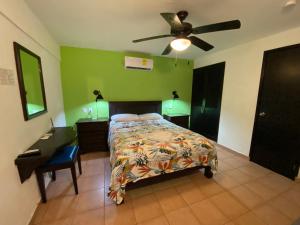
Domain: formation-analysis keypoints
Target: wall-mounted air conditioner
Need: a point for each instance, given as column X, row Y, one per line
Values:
column 138, row 63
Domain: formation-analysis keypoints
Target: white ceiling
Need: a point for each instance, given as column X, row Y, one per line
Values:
column 113, row 24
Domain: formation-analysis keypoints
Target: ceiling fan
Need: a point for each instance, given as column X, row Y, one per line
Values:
column 181, row 31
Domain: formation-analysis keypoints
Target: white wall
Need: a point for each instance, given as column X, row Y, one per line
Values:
column 241, row 83
column 18, row 201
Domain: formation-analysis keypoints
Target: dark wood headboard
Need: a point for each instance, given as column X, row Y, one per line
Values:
column 136, row 107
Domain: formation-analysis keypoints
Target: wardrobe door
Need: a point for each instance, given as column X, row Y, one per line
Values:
column 206, row 100
column 276, row 133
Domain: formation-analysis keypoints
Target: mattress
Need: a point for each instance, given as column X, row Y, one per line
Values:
column 143, row 149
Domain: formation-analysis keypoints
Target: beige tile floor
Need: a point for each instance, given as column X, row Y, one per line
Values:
column 241, row 193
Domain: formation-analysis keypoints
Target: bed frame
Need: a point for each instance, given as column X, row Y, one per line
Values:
column 135, row 107
column 140, row 107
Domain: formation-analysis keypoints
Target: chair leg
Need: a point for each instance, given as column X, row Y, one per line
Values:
column 73, row 171
column 79, row 163
column 53, row 175
column 41, row 183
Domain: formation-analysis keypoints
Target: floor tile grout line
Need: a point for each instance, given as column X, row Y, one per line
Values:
column 278, row 193
column 68, row 216
column 190, row 206
column 236, row 200
column 155, row 200
column 250, row 211
column 76, row 196
column 69, row 195
column 266, row 202
column 252, row 192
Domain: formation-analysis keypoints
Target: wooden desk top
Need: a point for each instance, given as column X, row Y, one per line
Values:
column 62, row 136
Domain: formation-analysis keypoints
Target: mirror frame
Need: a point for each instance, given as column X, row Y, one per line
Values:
column 17, row 49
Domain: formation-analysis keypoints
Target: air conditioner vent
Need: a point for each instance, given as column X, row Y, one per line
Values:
column 138, row 63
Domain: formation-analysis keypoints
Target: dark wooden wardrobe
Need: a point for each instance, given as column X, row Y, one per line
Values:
column 206, row 100
column 276, row 134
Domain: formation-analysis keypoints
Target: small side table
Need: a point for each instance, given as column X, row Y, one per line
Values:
column 179, row 119
column 92, row 134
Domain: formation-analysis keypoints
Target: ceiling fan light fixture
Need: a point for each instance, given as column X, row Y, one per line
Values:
column 290, row 3
column 180, row 44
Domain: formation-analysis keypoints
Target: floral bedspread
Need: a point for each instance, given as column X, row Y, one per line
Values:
column 143, row 149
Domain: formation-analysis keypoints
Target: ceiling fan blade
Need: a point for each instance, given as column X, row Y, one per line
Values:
column 167, row 50
column 228, row 25
column 172, row 19
column 151, row 38
column 200, row 43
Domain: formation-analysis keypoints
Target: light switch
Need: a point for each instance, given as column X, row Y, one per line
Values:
column 6, row 77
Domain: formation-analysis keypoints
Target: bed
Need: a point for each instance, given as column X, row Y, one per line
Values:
column 150, row 149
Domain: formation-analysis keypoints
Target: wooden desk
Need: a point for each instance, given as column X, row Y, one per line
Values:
column 62, row 136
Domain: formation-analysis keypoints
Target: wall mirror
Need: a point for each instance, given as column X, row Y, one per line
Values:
column 31, row 84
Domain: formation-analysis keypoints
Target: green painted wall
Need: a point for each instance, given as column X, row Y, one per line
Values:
column 84, row 70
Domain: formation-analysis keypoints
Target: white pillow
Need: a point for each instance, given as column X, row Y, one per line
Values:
column 125, row 117
column 150, row 116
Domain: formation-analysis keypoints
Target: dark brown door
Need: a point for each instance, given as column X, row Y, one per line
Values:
column 206, row 100
column 276, row 134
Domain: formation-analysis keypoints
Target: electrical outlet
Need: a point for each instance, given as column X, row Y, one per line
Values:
column 85, row 110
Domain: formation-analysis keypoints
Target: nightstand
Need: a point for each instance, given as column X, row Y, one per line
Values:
column 179, row 119
column 92, row 134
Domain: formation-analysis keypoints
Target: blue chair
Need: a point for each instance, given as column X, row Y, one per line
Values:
column 62, row 159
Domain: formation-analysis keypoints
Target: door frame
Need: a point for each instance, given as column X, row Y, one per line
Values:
column 261, row 84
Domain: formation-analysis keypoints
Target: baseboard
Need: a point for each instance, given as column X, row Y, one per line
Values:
column 237, row 153
column 47, row 182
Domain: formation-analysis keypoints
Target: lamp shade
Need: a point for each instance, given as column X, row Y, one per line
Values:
column 98, row 95
column 175, row 95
